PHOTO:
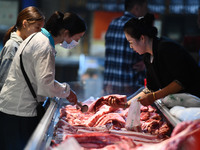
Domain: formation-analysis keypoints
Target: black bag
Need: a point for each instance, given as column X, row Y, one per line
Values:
column 40, row 109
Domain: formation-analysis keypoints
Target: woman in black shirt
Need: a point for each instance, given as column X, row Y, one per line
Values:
column 169, row 67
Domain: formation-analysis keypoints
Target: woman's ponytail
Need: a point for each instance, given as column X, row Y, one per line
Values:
column 55, row 23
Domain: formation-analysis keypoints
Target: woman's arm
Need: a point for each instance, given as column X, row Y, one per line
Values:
column 45, row 76
column 138, row 96
column 148, row 99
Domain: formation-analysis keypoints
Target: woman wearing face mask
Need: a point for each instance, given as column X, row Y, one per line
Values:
column 29, row 20
column 18, row 107
column 170, row 68
column 73, row 33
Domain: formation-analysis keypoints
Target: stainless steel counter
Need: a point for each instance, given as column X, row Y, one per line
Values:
column 165, row 111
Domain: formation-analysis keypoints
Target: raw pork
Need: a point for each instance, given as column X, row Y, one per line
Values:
column 101, row 140
column 96, row 105
column 186, row 135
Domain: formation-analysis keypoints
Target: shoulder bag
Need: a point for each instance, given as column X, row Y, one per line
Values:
column 40, row 109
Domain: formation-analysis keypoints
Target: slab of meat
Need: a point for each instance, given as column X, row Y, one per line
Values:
column 113, row 118
column 63, row 128
column 138, row 137
column 186, row 135
column 104, row 110
column 144, row 116
column 156, row 127
column 151, row 122
column 101, row 140
column 96, row 105
column 62, row 125
column 148, row 108
column 73, row 116
column 149, row 112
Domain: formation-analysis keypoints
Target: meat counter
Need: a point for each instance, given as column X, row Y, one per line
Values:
column 43, row 134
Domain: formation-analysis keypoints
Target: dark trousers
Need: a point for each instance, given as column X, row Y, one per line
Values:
column 15, row 131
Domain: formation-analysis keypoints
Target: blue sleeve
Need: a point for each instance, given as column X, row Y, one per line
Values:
column 6, row 59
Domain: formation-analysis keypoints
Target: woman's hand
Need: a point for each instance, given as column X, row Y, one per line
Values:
column 72, row 98
column 147, row 99
column 116, row 103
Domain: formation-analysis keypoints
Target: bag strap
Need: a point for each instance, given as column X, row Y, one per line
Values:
column 24, row 73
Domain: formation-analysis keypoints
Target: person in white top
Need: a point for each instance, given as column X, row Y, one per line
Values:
column 29, row 21
column 17, row 105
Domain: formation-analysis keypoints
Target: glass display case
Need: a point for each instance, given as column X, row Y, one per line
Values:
column 43, row 134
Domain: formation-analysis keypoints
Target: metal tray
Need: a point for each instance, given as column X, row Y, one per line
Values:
column 165, row 111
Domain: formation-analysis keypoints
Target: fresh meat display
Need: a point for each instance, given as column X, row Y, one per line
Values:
column 114, row 118
column 186, row 135
column 102, row 120
column 103, row 128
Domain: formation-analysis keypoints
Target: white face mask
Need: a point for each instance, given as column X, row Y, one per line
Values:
column 70, row 45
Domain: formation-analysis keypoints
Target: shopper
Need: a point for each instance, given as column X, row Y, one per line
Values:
column 18, row 107
column 124, row 68
column 170, row 68
column 29, row 20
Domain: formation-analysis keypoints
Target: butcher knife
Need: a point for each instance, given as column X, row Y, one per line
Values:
column 84, row 108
